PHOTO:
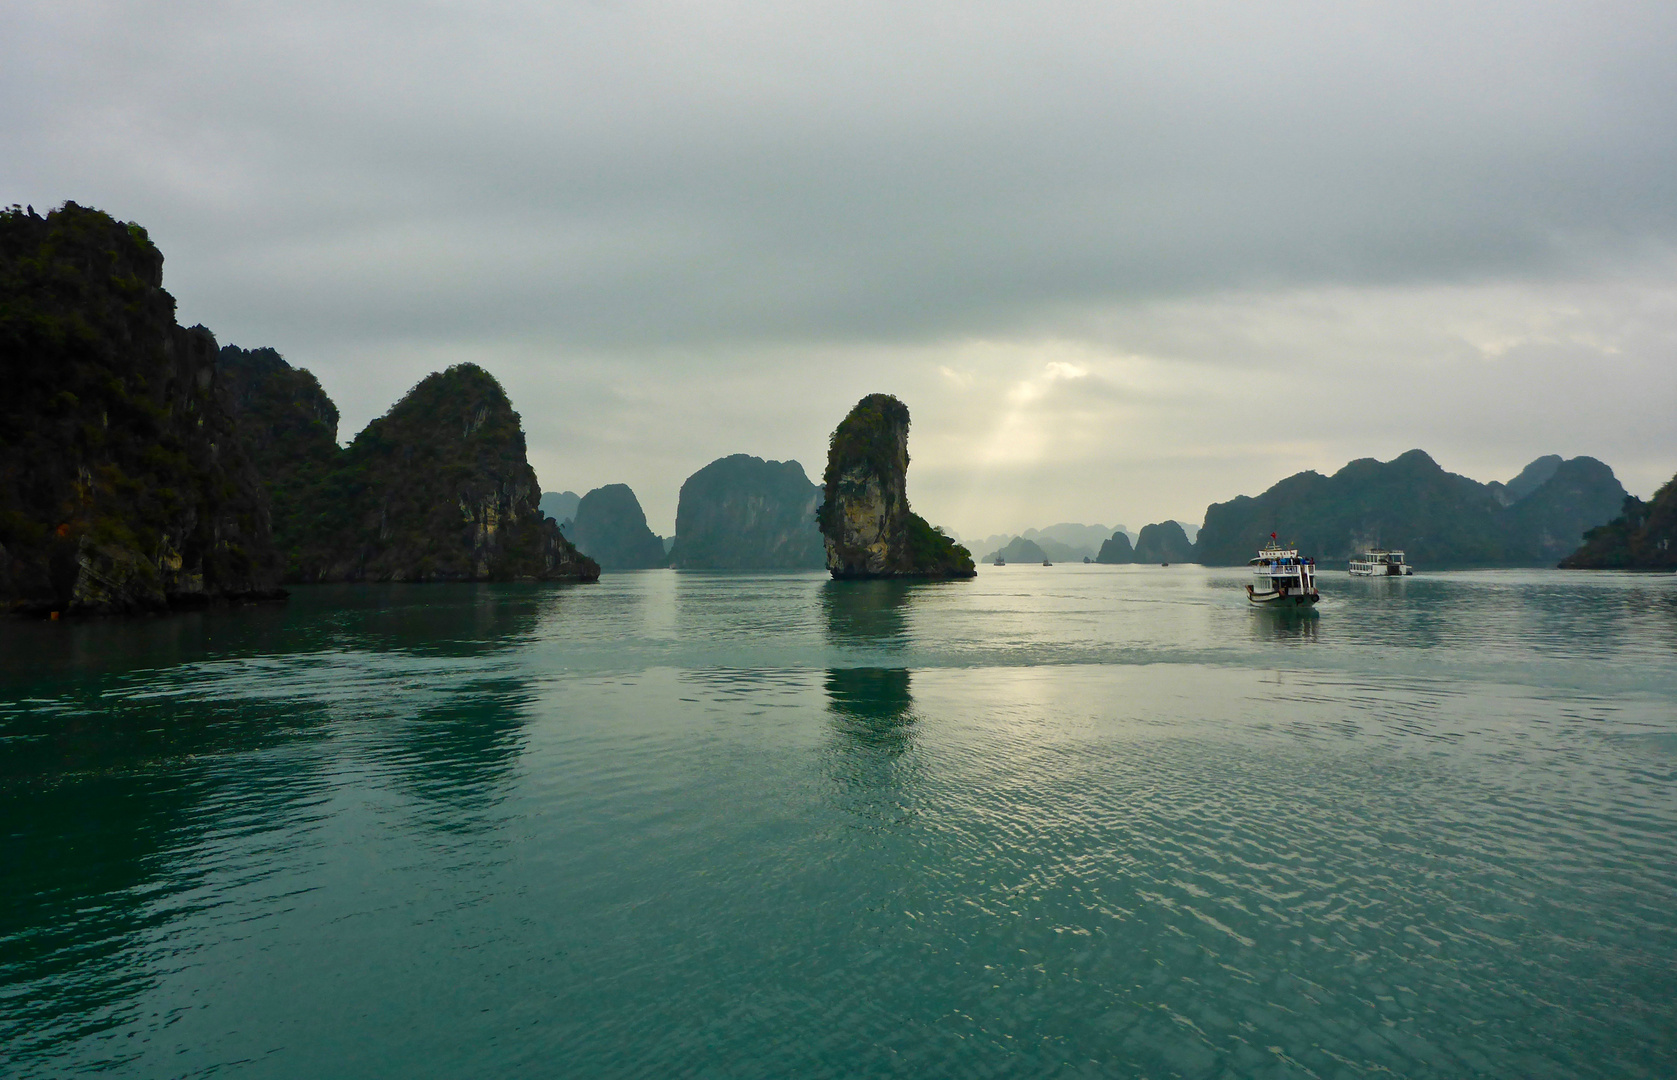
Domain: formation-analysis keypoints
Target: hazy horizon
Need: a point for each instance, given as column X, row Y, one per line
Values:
column 1120, row 261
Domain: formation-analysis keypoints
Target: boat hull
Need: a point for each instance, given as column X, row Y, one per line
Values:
column 1274, row 599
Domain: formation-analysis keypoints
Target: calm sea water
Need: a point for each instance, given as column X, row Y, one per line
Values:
column 1068, row 821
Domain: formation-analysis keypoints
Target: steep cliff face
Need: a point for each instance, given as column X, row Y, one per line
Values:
column 611, row 529
column 1437, row 518
column 865, row 521
column 122, row 485
column 744, row 513
column 290, row 429
column 439, row 489
column 1116, row 549
column 1164, row 542
column 1642, row 537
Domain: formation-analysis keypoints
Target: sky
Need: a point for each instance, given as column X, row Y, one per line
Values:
column 1120, row 260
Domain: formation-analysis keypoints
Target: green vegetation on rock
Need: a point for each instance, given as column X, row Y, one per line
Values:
column 866, row 523
column 744, row 513
column 289, row 427
column 436, row 489
column 123, row 486
column 1642, row 537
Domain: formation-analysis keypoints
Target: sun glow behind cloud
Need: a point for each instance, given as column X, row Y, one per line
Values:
column 1120, row 260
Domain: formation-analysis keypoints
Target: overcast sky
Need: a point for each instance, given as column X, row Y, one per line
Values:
column 1120, row 260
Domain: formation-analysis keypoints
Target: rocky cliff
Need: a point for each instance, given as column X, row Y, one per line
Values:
column 289, row 427
column 1116, row 549
column 744, row 513
column 1162, row 543
column 1642, row 537
column 1437, row 518
column 122, row 485
column 437, row 489
column 611, row 529
column 868, row 528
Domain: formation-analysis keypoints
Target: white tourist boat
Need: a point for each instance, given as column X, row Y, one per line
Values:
column 1379, row 562
column 1284, row 579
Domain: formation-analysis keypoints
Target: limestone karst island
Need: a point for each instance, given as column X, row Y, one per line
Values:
column 869, row 530
column 145, row 468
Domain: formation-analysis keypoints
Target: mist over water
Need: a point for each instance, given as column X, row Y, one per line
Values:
column 1062, row 821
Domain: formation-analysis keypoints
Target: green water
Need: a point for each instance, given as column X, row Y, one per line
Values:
column 1068, row 821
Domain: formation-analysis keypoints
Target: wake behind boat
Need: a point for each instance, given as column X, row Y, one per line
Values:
column 1284, row 579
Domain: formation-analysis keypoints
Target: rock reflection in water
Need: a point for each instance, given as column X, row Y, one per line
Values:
column 874, row 763
column 458, row 757
column 867, row 614
column 439, row 619
column 872, row 705
column 109, row 823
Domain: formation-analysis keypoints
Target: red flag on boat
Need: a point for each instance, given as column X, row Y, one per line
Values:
column 1272, row 536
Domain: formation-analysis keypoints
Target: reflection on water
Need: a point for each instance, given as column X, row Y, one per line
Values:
column 1069, row 819
column 872, row 705
column 109, row 826
column 874, row 763
column 457, row 755
column 868, row 613
column 1284, row 625
column 439, row 620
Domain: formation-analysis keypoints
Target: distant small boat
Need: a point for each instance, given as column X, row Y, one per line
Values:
column 1045, row 562
column 1000, row 561
column 1284, row 579
column 1379, row 562
column 1164, row 564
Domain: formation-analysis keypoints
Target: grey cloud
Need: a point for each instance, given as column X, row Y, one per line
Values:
column 680, row 231
column 631, row 176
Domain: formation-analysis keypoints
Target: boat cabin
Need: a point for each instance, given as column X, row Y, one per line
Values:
column 1379, row 562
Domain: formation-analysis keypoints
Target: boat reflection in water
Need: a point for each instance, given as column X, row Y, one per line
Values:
column 1290, row 624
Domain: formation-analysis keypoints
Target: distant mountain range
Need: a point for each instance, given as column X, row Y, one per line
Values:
column 1438, row 518
column 1020, row 550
